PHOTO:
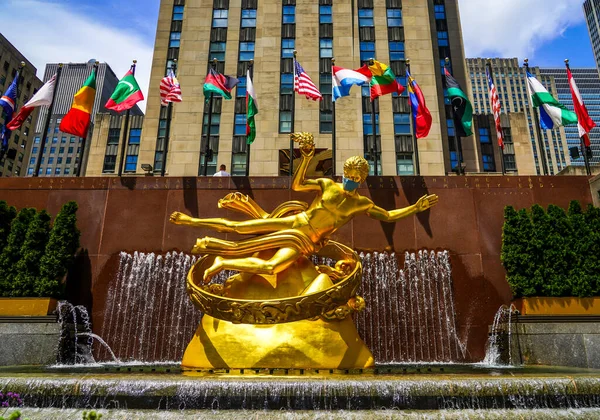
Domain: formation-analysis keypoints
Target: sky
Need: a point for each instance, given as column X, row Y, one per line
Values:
column 118, row 31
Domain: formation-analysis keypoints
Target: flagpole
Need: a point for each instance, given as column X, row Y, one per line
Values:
column 333, row 138
column 542, row 149
column 457, row 139
column 293, row 118
column 251, row 71
column 168, row 127
column 83, row 139
column 414, row 127
column 581, row 139
column 488, row 64
column 125, row 133
column 373, row 151
column 38, row 160
column 207, row 147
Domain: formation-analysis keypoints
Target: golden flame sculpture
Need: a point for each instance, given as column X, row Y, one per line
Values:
column 281, row 310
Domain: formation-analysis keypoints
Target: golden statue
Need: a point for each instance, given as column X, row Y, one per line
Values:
column 281, row 310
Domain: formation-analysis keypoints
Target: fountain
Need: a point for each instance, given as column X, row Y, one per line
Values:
column 289, row 320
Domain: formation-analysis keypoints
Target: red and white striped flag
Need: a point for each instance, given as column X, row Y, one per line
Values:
column 496, row 108
column 170, row 91
column 585, row 123
column 303, row 85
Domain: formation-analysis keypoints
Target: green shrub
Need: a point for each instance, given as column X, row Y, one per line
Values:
column 7, row 214
column 11, row 254
column 552, row 253
column 60, row 252
column 32, row 251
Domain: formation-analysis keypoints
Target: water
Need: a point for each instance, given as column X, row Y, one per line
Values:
column 74, row 346
column 409, row 316
column 499, row 346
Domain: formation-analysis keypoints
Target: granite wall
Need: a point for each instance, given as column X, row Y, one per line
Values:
column 131, row 214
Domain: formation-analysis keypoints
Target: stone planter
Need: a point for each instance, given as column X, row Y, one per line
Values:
column 27, row 306
column 567, row 306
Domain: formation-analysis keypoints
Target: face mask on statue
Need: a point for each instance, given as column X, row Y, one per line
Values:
column 349, row 185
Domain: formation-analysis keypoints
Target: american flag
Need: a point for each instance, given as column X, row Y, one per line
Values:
column 169, row 89
column 303, row 85
column 496, row 107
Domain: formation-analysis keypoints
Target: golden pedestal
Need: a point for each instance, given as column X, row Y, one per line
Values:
column 296, row 345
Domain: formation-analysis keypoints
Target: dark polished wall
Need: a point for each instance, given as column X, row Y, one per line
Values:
column 131, row 214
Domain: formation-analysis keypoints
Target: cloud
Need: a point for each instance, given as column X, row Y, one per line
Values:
column 515, row 28
column 50, row 32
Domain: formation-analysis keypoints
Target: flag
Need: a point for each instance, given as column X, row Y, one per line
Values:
column 8, row 101
column 463, row 110
column 343, row 79
column 170, row 91
column 251, row 110
column 77, row 120
column 552, row 113
column 219, row 84
column 383, row 80
column 43, row 97
column 303, row 85
column 421, row 115
column 496, row 107
column 126, row 94
column 585, row 123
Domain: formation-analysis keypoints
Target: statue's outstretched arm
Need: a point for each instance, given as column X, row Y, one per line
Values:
column 423, row 204
column 307, row 148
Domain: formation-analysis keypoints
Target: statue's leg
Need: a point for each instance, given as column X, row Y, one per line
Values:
column 246, row 226
column 276, row 264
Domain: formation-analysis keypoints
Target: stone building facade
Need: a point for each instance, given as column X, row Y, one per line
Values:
column 266, row 31
column 14, row 162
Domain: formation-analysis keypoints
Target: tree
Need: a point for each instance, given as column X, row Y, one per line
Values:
column 592, row 261
column 11, row 254
column 60, row 252
column 537, row 250
column 581, row 245
column 32, row 251
column 7, row 214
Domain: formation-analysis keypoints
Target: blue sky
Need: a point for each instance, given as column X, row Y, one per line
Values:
column 118, row 31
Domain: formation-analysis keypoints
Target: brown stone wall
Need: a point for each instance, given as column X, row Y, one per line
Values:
column 131, row 214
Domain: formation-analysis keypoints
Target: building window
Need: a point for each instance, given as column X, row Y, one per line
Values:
column 61, row 150
column 36, row 140
column 177, row 12
column 285, row 122
column 48, row 171
column 240, row 91
column 365, row 18
column 249, row 18
column 214, row 124
column 63, row 140
column 72, row 140
column 368, row 126
column 175, row 39
column 443, row 39
column 50, row 160
column 325, row 122
column 217, row 50
column 287, row 47
column 246, row 51
column 32, row 161
column 394, row 17
column 287, row 83
column 52, row 150
column 325, row 14
column 34, row 150
column 396, row 50
column 289, row 14
column 54, row 140
column 57, row 171
column 240, row 125
column 326, row 48
column 67, row 171
column 30, row 171
column 440, row 11
column 70, row 150
column 211, row 168
column 487, row 151
column 238, row 164
column 402, row 123
column 404, row 164
column 133, row 149
column 367, row 51
column 220, row 18
column 112, row 148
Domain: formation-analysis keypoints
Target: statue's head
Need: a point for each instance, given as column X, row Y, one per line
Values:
column 356, row 170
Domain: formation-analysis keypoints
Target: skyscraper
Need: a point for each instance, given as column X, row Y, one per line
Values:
column 591, row 9
column 63, row 152
column 14, row 162
column 588, row 83
column 268, row 32
column 511, row 84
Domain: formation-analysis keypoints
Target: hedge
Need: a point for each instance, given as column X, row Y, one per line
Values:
column 552, row 252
